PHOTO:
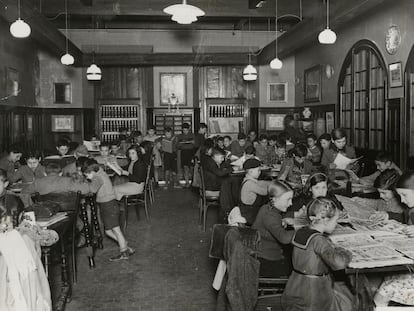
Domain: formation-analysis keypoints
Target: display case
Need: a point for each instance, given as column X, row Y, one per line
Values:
column 164, row 118
column 114, row 114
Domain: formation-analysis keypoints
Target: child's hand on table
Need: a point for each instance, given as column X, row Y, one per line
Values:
column 409, row 230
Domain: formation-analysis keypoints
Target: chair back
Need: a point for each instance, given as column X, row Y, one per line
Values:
column 149, row 169
column 202, row 184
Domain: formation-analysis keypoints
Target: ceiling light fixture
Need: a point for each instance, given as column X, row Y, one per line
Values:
column 67, row 59
column 249, row 72
column 20, row 29
column 327, row 36
column 94, row 73
column 276, row 63
column 184, row 13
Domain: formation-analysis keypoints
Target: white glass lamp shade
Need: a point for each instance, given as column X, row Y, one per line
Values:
column 94, row 73
column 67, row 59
column 327, row 36
column 20, row 29
column 249, row 73
column 276, row 63
column 184, row 13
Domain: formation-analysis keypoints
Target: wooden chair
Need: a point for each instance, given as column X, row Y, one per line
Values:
column 136, row 200
column 205, row 201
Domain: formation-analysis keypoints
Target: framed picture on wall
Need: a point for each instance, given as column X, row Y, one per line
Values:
column 277, row 92
column 12, row 82
column 63, row 123
column 173, row 89
column 63, row 93
column 396, row 75
column 313, row 84
column 274, row 122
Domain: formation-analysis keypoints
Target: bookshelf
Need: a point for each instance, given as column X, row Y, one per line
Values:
column 173, row 120
column 226, row 116
column 115, row 114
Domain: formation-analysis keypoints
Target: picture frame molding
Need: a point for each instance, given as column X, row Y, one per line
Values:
column 66, row 130
column 307, row 98
column 270, row 84
column 185, row 104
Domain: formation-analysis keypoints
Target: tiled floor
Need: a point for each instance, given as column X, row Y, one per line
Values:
column 170, row 270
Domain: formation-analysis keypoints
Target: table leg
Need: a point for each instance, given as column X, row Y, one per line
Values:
column 46, row 259
column 86, row 228
column 66, row 289
column 95, row 222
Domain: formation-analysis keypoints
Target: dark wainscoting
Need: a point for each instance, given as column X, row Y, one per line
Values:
column 32, row 127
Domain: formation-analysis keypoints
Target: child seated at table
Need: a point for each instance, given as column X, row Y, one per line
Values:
column 238, row 146
column 227, row 143
column 314, row 257
column 384, row 162
column 314, row 153
column 31, row 170
column 274, row 260
column 253, row 193
column 400, row 287
column 316, row 186
column 293, row 168
column 286, row 140
column 70, row 169
column 214, row 171
column 339, row 145
column 388, row 202
column 272, row 149
column 324, row 141
column 116, row 150
column 109, row 208
column 263, row 150
column 11, row 160
column 220, row 142
column 7, row 198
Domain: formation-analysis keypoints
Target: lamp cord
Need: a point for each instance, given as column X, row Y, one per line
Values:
column 327, row 14
column 18, row 7
column 276, row 25
column 66, row 22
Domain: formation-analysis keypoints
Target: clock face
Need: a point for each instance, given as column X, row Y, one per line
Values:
column 393, row 39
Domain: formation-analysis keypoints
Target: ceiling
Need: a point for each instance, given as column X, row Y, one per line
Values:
column 148, row 14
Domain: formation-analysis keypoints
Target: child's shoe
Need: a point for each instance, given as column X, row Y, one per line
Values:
column 121, row 256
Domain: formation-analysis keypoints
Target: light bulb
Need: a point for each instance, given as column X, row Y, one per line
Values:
column 184, row 13
column 67, row 59
column 276, row 63
column 327, row 36
column 20, row 29
column 250, row 73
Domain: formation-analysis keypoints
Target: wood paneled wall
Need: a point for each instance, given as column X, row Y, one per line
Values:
column 31, row 127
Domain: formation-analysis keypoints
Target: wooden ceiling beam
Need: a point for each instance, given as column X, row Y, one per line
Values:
column 168, row 59
column 227, row 8
column 43, row 31
column 306, row 32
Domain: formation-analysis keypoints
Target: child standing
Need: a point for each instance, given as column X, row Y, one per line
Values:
column 151, row 136
column 109, row 207
column 169, row 142
column 310, row 286
column 186, row 143
column 314, row 151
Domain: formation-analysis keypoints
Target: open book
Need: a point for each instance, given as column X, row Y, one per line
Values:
column 342, row 161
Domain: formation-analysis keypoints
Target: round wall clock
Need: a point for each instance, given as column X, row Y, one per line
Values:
column 393, row 39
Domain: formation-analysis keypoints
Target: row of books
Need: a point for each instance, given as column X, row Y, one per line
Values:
column 115, row 125
column 119, row 111
column 225, row 111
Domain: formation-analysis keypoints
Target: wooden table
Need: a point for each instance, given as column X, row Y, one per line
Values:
column 63, row 228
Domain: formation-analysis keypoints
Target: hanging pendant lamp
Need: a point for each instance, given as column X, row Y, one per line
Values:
column 250, row 72
column 184, row 13
column 276, row 63
column 67, row 59
column 327, row 36
column 93, row 73
column 20, row 29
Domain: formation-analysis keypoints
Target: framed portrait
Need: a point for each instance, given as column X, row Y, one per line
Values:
column 277, row 92
column 63, row 93
column 173, row 89
column 313, row 84
column 396, row 75
column 12, row 82
column 63, row 123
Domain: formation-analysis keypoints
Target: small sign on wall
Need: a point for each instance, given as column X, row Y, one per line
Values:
column 63, row 123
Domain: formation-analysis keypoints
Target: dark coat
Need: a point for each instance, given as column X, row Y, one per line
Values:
column 213, row 174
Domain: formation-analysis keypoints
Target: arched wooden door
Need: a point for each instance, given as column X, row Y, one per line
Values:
column 362, row 87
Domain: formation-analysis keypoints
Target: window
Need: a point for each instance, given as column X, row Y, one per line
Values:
column 362, row 96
